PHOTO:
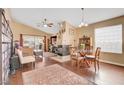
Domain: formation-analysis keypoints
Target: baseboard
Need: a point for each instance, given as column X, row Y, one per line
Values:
column 110, row 62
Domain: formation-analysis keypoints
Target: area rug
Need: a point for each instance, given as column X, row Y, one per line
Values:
column 48, row 54
column 53, row 75
column 61, row 59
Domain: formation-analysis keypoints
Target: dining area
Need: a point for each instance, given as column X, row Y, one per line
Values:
column 85, row 58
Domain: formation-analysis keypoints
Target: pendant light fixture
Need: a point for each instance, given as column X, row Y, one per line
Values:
column 83, row 23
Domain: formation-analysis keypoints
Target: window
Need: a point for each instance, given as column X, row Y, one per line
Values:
column 31, row 41
column 109, row 39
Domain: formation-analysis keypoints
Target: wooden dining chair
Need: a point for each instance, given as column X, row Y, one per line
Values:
column 73, row 55
column 87, row 51
column 94, row 58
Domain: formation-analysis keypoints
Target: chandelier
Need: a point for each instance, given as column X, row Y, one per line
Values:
column 83, row 22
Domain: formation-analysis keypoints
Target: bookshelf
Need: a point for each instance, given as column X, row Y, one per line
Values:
column 5, row 48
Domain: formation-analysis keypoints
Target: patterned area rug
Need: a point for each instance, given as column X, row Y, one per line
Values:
column 61, row 59
column 53, row 75
column 49, row 54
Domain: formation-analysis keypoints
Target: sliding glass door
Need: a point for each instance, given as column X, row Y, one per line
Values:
column 35, row 42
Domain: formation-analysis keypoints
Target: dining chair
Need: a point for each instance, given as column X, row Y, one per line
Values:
column 94, row 58
column 72, row 50
column 25, row 59
column 87, row 51
column 74, row 56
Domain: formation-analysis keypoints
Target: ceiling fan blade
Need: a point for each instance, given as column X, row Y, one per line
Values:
column 38, row 24
column 50, row 23
column 46, row 23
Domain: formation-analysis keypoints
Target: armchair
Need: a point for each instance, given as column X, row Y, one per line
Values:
column 26, row 59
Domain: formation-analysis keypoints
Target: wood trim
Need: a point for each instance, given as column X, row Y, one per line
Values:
column 21, row 40
column 51, row 38
column 45, row 43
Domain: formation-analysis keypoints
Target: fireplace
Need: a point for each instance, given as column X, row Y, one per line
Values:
column 62, row 50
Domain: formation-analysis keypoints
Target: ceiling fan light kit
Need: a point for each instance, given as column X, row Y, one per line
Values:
column 85, row 24
column 45, row 23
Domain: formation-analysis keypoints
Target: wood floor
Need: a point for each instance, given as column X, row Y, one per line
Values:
column 108, row 74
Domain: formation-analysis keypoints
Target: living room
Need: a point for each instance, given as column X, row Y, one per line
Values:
column 62, row 46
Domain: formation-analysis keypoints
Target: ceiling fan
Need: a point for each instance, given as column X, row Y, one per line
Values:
column 45, row 23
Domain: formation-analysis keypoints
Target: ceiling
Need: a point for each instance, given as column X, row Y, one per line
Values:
column 33, row 16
